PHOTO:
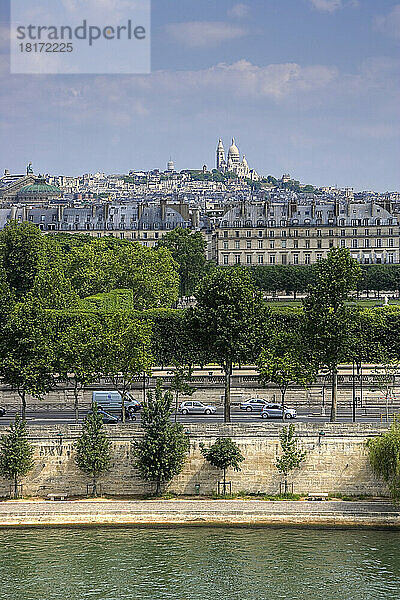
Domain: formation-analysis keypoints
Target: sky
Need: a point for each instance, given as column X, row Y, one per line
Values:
column 306, row 87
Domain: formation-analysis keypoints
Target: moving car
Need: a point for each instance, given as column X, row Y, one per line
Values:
column 254, row 404
column 107, row 418
column 194, row 407
column 111, row 401
column 274, row 411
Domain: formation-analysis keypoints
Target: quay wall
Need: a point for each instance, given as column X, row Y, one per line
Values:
column 336, row 460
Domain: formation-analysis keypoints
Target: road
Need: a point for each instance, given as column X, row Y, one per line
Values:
column 312, row 415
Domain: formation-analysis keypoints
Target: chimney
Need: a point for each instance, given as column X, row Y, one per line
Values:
column 336, row 206
column 163, row 205
column 313, row 208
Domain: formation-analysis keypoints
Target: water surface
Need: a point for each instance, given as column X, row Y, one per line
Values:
column 199, row 564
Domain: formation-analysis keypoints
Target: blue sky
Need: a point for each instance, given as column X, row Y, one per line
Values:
column 308, row 87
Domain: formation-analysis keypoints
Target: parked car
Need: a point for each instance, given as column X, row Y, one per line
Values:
column 2, row 411
column 274, row 411
column 254, row 404
column 107, row 418
column 111, row 402
column 194, row 407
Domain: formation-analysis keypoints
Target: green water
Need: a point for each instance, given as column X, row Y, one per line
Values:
column 199, row 564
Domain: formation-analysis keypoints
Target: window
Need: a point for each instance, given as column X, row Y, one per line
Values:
column 225, row 259
column 366, row 243
column 319, row 256
column 260, row 234
column 379, row 232
column 272, row 259
column 319, row 233
column 390, row 231
column 225, row 234
column 295, row 233
column 295, row 243
column 284, row 259
column 156, row 235
column 260, row 259
column 225, row 245
column 390, row 258
column 330, row 243
column 248, row 244
column 343, row 243
column 237, row 234
column 331, row 232
column 283, row 243
column 379, row 243
column 307, row 233
column 237, row 259
column 354, row 231
column 145, row 236
column 272, row 233
column 343, row 233
column 307, row 244
column 248, row 259
column 283, row 233
column 307, row 259
column 272, row 244
column 248, row 233
column 354, row 243
column 391, row 243
column 237, row 244
column 319, row 244
column 295, row 259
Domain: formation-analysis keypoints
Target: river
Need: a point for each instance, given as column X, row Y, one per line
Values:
column 199, row 564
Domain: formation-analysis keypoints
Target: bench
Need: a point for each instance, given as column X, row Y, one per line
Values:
column 57, row 496
column 317, row 496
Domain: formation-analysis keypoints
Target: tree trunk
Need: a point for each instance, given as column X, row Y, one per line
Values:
column 224, row 482
column 94, row 487
column 15, row 486
column 123, row 407
column 76, row 401
column 286, row 485
column 23, row 408
column 334, row 394
column 158, row 487
column 176, row 405
column 283, row 403
column 227, row 395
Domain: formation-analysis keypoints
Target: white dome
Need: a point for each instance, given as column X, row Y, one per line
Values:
column 233, row 150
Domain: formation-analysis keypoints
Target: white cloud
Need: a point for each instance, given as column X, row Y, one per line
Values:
column 327, row 5
column 390, row 23
column 238, row 11
column 204, row 33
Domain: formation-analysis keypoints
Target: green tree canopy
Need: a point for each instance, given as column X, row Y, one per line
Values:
column 223, row 454
column 384, row 457
column 227, row 321
column 291, row 457
column 93, row 450
column 189, row 250
column 21, row 247
column 161, row 454
column 328, row 322
column 16, row 453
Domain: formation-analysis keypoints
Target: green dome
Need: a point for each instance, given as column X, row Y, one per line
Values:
column 39, row 188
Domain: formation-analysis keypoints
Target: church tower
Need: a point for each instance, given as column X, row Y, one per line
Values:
column 221, row 164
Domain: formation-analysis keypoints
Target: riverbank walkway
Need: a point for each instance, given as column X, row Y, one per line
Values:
column 33, row 513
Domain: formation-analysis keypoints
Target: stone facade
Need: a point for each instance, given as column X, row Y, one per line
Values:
column 336, row 461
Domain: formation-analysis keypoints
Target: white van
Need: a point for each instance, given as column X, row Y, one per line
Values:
column 111, row 402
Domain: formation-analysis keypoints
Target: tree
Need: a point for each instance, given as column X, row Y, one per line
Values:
column 161, row 454
column 16, row 453
column 180, row 383
column 227, row 321
column 384, row 457
column 21, row 246
column 328, row 322
column 189, row 251
column 78, row 349
column 93, row 450
column 282, row 364
column 126, row 351
column 223, row 454
column 27, row 355
column 291, row 457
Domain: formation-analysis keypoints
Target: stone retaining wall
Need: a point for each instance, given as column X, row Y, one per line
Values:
column 336, row 461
